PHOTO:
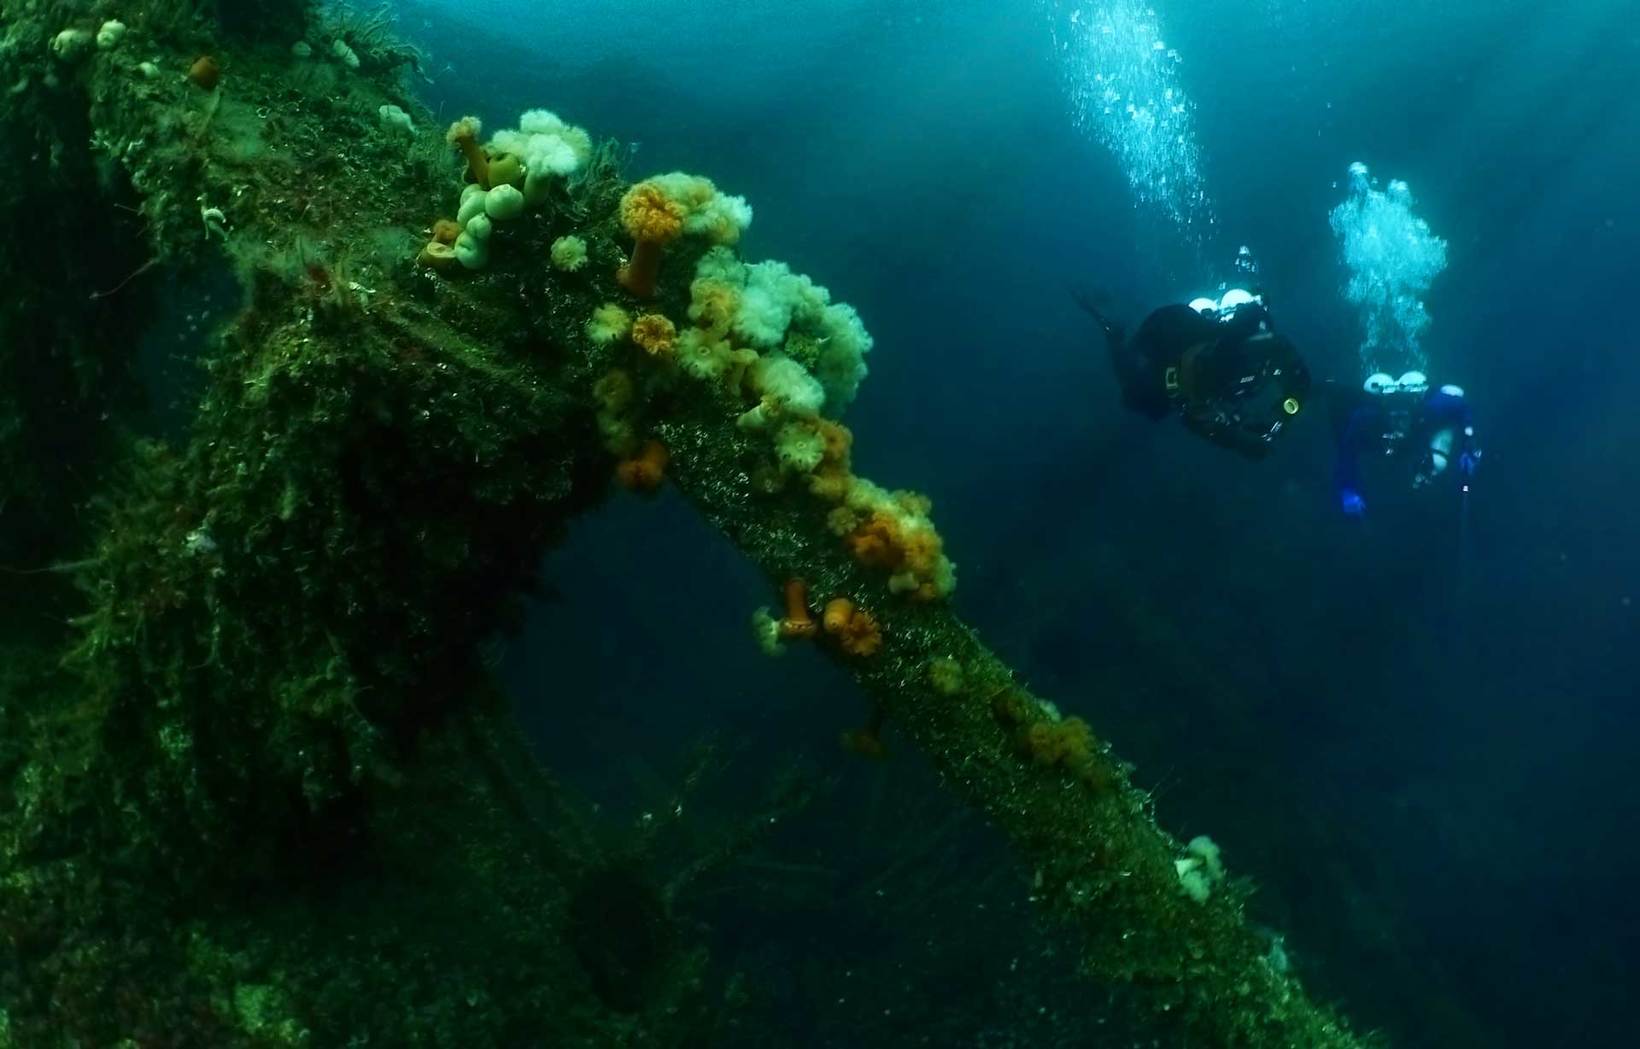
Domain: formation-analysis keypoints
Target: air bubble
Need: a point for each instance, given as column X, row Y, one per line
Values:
column 1392, row 258
column 1121, row 80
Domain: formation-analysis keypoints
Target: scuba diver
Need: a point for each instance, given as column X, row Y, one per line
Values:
column 1405, row 420
column 1219, row 365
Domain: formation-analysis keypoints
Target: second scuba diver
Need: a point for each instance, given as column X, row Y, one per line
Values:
column 1219, row 365
column 1422, row 428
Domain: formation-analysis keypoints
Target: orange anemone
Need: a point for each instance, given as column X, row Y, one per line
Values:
column 854, row 628
column 798, row 622
column 437, row 255
column 445, row 231
column 653, row 220
column 656, row 335
column 645, row 471
column 463, row 135
column 205, row 72
column 907, row 547
column 865, row 742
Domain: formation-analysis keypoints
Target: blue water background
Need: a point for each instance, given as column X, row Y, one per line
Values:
column 1420, row 735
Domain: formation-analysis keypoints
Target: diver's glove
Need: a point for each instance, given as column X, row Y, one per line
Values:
column 1350, row 501
column 1468, row 462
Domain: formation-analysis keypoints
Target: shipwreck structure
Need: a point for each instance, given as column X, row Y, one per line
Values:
column 252, row 765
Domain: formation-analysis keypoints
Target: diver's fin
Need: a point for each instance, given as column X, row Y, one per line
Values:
column 1095, row 302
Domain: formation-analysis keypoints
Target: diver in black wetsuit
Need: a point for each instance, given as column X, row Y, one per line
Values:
column 1220, row 366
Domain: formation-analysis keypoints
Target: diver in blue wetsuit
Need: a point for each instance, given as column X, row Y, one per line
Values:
column 1217, row 364
column 1427, row 429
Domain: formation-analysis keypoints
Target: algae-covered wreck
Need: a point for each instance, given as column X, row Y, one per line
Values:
column 261, row 789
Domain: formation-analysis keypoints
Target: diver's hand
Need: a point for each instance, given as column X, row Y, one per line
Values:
column 1350, row 501
column 1468, row 463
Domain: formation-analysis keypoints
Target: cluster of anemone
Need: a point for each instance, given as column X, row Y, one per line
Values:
column 710, row 359
column 1066, row 743
column 659, row 210
column 852, row 629
column 773, row 341
column 546, row 149
column 767, row 306
column 517, row 170
column 811, row 359
column 1046, row 739
column 892, row 532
